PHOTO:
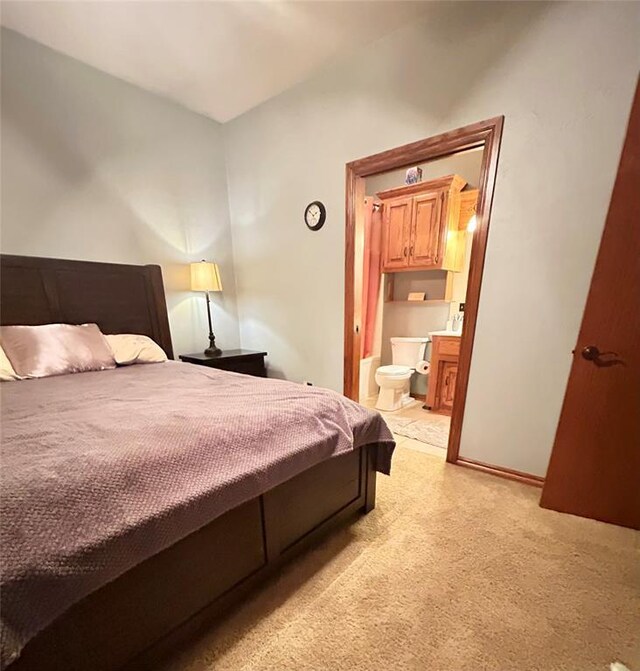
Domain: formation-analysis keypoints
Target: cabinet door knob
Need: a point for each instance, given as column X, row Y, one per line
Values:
column 405, row 252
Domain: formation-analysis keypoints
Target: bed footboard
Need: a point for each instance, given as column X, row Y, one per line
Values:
column 150, row 610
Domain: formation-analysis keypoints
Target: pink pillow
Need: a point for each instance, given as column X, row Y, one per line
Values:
column 55, row 349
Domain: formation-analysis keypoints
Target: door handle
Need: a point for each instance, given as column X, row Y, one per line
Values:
column 590, row 353
column 593, row 354
column 405, row 251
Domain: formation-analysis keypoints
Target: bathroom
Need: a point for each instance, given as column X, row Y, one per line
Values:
column 413, row 317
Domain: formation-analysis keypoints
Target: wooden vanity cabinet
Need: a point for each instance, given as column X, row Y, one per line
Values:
column 421, row 226
column 443, row 373
column 446, row 386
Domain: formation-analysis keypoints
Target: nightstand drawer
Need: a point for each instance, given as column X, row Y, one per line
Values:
column 234, row 360
column 250, row 367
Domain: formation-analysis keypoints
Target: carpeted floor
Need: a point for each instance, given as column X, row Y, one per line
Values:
column 454, row 571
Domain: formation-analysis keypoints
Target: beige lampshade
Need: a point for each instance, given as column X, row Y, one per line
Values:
column 205, row 276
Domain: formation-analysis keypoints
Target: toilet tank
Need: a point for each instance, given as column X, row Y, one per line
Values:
column 408, row 351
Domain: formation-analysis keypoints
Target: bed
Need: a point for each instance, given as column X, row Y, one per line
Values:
column 213, row 496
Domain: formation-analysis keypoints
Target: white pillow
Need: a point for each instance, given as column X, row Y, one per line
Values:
column 6, row 369
column 129, row 348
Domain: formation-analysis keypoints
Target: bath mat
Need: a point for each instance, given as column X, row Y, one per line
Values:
column 433, row 432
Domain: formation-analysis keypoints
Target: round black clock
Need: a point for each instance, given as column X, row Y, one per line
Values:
column 315, row 215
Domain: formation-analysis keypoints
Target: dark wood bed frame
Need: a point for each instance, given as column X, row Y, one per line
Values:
column 146, row 613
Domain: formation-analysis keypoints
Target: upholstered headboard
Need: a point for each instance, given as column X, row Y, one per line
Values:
column 119, row 298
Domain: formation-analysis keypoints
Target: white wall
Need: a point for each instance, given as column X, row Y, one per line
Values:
column 563, row 76
column 418, row 319
column 461, row 279
column 467, row 164
column 94, row 168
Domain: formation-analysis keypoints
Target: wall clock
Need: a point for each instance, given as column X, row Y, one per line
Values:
column 315, row 215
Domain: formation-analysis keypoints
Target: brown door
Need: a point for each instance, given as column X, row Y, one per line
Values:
column 396, row 231
column 595, row 464
column 426, row 230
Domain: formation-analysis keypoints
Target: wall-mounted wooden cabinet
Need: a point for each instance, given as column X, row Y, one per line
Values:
column 396, row 233
column 420, row 226
column 468, row 206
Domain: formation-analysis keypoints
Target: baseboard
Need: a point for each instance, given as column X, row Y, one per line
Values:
column 501, row 472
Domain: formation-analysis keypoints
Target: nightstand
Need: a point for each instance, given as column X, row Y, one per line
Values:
column 236, row 360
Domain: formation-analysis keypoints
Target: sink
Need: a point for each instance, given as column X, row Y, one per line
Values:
column 445, row 333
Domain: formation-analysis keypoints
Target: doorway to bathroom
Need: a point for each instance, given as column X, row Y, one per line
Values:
column 416, row 232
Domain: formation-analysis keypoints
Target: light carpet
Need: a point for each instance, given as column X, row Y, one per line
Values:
column 454, row 570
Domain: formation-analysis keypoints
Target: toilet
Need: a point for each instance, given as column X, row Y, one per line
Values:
column 395, row 380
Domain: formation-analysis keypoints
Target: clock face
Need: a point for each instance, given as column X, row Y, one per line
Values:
column 315, row 215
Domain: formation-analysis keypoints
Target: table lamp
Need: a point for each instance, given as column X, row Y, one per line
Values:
column 205, row 276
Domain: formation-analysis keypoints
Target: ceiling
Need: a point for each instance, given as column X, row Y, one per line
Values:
column 217, row 58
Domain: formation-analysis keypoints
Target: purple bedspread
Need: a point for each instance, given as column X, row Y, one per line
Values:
column 102, row 470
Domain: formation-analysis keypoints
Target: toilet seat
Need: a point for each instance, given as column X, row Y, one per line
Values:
column 396, row 372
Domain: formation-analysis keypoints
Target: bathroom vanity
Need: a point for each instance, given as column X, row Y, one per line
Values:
column 443, row 373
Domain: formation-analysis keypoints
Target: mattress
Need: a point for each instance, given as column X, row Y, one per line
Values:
column 102, row 470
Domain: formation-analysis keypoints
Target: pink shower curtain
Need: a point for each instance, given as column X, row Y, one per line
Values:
column 372, row 264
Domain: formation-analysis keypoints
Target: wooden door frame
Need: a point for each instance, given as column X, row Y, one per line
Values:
column 486, row 134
